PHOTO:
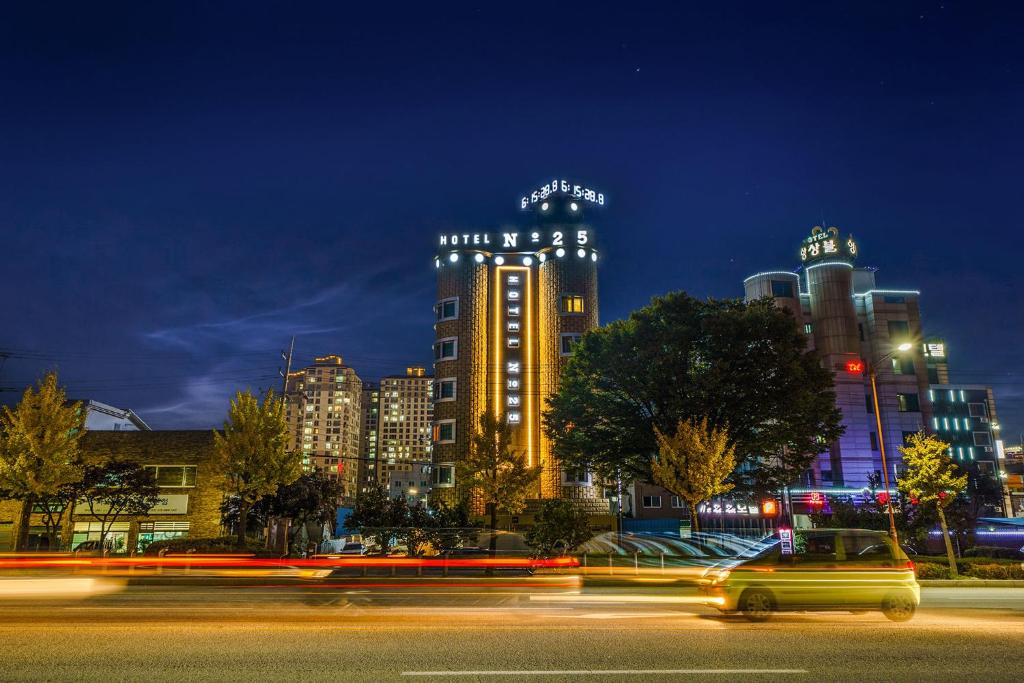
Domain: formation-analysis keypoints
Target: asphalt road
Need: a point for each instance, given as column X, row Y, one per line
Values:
column 506, row 628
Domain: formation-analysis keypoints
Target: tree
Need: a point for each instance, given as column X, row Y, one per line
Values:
column 930, row 475
column 39, row 449
column 252, row 452
column 559, row 526
column 745, row 365
column 309, row 502
column 694, row 463
column 379, row 517
column 500, row 477
column 118, row 489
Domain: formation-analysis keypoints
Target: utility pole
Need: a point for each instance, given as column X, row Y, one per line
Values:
column 287, row 358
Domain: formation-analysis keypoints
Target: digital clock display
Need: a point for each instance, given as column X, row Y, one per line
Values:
column 564, row 187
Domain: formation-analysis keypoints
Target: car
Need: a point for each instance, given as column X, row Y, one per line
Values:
column 819, row 569
column 353, row 549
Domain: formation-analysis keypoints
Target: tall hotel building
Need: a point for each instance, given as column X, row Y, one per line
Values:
column 509, row 307
column 855, row 325
column 325, row 419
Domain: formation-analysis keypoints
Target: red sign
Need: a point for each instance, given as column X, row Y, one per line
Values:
column 883, row 497
column 816, row 499
column 855, row 367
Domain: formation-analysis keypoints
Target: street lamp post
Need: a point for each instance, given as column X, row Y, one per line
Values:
column 902, row 348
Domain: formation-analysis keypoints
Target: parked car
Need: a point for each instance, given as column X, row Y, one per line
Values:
column 353, row 549
column 822, row 569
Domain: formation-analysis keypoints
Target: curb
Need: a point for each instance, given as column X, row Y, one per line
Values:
column 970, row 583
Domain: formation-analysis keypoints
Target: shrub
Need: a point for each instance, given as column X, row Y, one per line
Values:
column 224, row 544
column 994, row 571
column 995, row 552
column 930, row 570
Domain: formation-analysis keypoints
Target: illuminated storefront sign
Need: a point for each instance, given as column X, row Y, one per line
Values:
column 526, row 241
column 935, row 349
column 827, row 244
column 563, row 187
column 513, row 351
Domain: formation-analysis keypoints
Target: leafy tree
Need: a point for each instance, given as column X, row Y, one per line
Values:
column 930, row 475
column 118, row 489
column 310, row 502
column 500, row 477
column 252, row 453
column 451, row 526
column 39, row 449
column 694, row 463
column 745, row 365
column 559, row 526
column 379, row 517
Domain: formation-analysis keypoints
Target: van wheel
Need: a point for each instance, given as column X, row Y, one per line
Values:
column 899, row 607
column 757, row 604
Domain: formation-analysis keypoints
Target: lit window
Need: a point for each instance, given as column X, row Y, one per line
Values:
column 444, row 431
column 572, row 303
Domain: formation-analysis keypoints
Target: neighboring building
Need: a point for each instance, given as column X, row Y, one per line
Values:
column 509, row 307
column 370, row 406
column 854, row 325
column 404, row 432
column 325, row 419
column 191, row 489
column 103, row 417
column 964, row 415
column 1013, row 475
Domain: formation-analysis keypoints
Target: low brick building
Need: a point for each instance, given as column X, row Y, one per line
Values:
column 182, row 462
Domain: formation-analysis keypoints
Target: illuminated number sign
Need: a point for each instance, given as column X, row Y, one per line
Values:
column 827, row 244
column 563, row 187
column 855, row 367
column 516, row 242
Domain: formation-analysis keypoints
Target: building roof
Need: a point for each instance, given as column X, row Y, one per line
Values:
column 92, row 405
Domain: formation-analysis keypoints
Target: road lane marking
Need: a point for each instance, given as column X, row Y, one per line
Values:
column 607, row 672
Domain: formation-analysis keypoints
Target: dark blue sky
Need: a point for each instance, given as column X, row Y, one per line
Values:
column 183, row 187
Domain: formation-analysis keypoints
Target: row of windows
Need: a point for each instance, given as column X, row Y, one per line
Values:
column 655, row 502
column 448, row 309
column 448, row 349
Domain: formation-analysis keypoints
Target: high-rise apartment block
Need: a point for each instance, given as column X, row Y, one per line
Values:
column 404, row 432
column 509, row 307
column 370, row 407
column 325, row 418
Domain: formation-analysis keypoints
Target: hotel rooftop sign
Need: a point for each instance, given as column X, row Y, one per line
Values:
column 827, row 245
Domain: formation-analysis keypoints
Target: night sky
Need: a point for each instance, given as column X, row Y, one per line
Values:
column 182, row 187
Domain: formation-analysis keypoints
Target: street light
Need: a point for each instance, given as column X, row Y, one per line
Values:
column 902, row 348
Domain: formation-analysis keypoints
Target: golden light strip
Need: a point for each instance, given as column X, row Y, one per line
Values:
column 527, row 365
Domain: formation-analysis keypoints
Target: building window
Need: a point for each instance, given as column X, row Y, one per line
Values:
column 860, row 331
column 444, row 475
column 874, row 440
column 782, row 289
column 446, row 309
column 444, row 431
column 982, row 439
column 578, row 477
column 899, row 331
column 808, row 328
column 446, row 349
column 444, row 389
column 568, row 341
column 174, row 476
column 677, row 503
column 869, row 403
column 908, row 403
column 903, row 366
column 572, row 303
column 652, row 501
column 977, row 409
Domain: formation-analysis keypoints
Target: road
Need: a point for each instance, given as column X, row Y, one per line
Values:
column 494, row 630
